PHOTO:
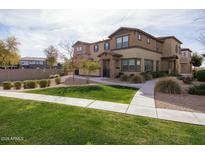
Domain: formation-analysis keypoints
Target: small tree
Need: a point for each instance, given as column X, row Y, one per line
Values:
column 89, row 66
column 196, row 60
column 73, row 60
column 51, row 55
column 9, row 52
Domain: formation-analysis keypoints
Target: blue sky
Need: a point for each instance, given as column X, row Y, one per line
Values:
column 37, row 29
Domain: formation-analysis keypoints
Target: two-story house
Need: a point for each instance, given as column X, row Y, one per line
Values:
column 132, row 51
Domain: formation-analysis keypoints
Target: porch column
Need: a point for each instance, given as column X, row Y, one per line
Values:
column 142, row 65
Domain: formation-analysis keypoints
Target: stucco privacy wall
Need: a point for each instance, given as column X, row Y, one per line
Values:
column 26, row 74
column 84, row 72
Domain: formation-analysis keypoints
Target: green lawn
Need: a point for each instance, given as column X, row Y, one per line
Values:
column 97, row 92
column 47, row 123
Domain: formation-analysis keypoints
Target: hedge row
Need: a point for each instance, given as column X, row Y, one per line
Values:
column 29, row 84
column 144, row 76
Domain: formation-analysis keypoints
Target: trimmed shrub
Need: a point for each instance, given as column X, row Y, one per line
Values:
column 58, row 80
column 146, row 75
column 131, row 75
column 49, row 82
column 51, row 76
column 56, row 75
column 168, row 85
column 124, row 77
column 197, row 90
column 29, row 84
column 187, row 80
column 194, row 74
column 7, row 85
column 17, row 84
column 200, row 75
column 136, row 79
column 43, row 83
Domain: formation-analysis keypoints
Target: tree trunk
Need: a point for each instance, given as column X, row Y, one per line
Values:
column 73, row 75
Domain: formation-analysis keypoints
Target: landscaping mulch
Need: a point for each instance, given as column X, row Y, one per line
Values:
column 182, row 102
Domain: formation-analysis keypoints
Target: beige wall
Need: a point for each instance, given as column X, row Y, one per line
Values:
column 26, row 74
column 133, row 41
column 94, row 73
column 141, row 54
column 85, row 48
column 168, row 47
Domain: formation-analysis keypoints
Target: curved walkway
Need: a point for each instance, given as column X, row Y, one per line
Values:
column 142, row 104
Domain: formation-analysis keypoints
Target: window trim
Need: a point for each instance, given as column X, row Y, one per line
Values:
column 148, row 42
column 108, row 45
column 97, row 47
column 136, row 66
column 139, row 38
column 152, row 64
column 122, row 41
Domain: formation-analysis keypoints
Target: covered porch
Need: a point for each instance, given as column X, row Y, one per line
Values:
column 110, row 64
column 170, row 64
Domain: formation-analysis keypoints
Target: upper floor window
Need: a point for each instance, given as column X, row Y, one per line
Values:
column 122, row 42
column 139, row 37
column 96, row 48
column 79, row 48
column 106, row 46
column 176, row 48
column 148, row 40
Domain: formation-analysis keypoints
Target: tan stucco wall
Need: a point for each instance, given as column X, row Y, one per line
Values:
column 168, row 47
column 85, row 48
column 141, row 54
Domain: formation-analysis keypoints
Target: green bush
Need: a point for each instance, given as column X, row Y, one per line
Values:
column 187, row 80
column 56, row 75
column 58, row 80
column 29, row 84
column 168, row 85
column 136, row 79
column 49, row 82
column 51, row 76
column 43, row 83
column 124, row 77
column 7, row 85
column 200, row 75
column 197, row 90
column 17, row 84
column 146, row 75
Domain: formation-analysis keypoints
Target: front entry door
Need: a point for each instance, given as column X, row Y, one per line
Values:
column 106, row 68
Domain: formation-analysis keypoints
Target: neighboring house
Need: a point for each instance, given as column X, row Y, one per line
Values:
column 185, row 61
column 33, row 62
column 132, row 51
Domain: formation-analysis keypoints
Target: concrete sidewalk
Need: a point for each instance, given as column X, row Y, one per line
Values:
column 142, row 104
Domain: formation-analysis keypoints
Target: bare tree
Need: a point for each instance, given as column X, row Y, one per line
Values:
column 69, row 56
column 201, row 38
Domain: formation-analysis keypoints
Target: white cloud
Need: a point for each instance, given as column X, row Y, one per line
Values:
column 36, row 29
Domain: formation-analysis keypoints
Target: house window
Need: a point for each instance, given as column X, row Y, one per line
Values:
column 96, row 48
column 131, row 65
column 148, row 65
column 125, row 65
column 122, row 42
column 176, row 48
column 106, row 46
column 148, row 41
column 157, row 65
column 139, row 37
